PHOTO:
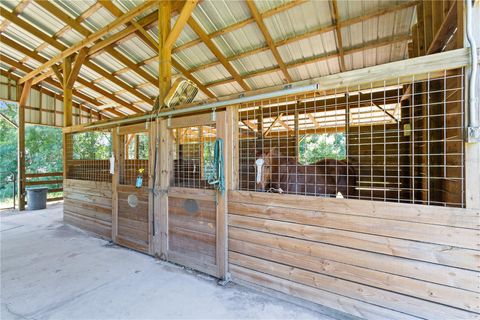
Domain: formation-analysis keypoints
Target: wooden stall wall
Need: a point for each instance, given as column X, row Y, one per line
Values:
column 88, row 205
column 374, row 260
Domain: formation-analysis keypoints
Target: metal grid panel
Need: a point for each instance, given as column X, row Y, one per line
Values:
column 87, row 155
column 377, row 143
column 134, row 159
column 193, row 160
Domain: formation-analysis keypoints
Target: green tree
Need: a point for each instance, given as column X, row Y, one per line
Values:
column 315, row 147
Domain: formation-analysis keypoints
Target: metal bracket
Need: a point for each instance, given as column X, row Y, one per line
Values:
column 473, row 134
column 226, row 280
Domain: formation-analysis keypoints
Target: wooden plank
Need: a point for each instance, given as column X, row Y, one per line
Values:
column 457, row 237
column 105, row 202
column 101, row 185
column 365, row 259
column 190, row 193
column 43, row 174
column 398, row 248
column 191, row 121
column 453, row 217
column 188, row 261
column 350, row 306
column 387, row 299
column 420, row 289
column 42, row 182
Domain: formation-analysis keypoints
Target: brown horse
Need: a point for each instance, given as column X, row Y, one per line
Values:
column 283, row 174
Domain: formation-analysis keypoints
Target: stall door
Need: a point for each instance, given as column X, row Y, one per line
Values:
column 132, row 227
column 192, row 200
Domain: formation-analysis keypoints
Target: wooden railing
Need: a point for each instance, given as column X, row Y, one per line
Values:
column 58, row 180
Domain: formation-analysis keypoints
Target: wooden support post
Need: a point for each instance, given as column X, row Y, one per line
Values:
column 227, row 129
column 164, row 168
column 67, row 93
column 164, row 52
column 67, row 116
column 472, row 150
column 163, row 137
column 116, row 150
column 21, row 143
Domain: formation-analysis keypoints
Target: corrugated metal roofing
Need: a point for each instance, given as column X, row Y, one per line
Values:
column 213, row 16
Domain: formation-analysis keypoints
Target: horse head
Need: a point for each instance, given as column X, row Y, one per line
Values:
column 263, row 168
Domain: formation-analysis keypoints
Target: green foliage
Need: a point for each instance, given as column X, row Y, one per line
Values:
column 315, row 147
column 94, row 145
column 142, row 147
column 208, row 155
column 43, row 151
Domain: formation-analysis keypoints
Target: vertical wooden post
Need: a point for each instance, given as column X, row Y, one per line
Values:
column 472, row 150
column 152, row 228
column 21, row 143
column 67, row 93
column 164, row 168
column 116, row 147
column 163, row 136
column 67, row 115
column 40, row 102
column 164, row 52
column 227, row 129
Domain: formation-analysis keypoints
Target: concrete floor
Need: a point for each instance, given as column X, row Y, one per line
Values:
column 50, row 270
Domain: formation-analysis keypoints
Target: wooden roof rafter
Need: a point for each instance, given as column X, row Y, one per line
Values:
column 32, row 54
column 39, row 58
column 90, row 39
column 142, row 34
column 370, row 45
column 117, row 55
column 268, row 38
column 338, row 35
column 216, row 52
column 56, row 95
column 241, row 24
column 79, row 95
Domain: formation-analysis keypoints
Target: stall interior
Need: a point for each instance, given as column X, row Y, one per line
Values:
column 389, row 142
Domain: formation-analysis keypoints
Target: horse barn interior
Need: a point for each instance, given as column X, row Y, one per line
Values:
column 325, row 151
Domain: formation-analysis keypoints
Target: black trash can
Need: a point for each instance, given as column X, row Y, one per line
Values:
column 37, row 198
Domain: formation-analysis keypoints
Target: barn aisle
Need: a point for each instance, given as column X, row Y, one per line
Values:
column 64, row 273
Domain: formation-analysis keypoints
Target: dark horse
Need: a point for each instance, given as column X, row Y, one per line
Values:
column 283, row 174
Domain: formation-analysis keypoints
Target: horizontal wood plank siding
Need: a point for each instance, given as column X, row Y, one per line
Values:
column 88, row 205
column 359, row 257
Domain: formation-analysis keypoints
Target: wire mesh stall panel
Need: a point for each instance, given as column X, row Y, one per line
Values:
column 193, row 156
column 87, row 155
column 134, row 164
column 398, row 141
